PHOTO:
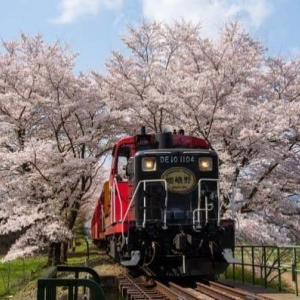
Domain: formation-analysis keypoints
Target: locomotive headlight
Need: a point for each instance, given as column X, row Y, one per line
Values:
column 205, row 164
column 149, row 164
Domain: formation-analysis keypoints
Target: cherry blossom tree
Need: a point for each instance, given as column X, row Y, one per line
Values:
column 137, row 83
column 229, row 92
column 55, row 128
column 276, row 189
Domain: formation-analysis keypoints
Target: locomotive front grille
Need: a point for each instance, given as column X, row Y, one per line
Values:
column 189, row 209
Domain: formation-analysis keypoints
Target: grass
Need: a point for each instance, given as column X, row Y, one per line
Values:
column 16, row 274
column 80, row 255
column 19, row 272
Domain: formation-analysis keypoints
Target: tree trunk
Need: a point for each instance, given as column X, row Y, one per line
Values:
column 51, row 255
column 57, row 254
column 64, row 254
column 73, row 245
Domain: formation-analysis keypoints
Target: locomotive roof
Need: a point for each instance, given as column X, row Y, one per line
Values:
column 184, row 141
column 173, row 151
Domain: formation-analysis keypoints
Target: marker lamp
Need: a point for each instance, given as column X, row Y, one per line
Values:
column 149, row 164
column 205, row 164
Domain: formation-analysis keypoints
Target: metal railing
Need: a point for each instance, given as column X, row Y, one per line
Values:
column 49, row 283
column 267, row 266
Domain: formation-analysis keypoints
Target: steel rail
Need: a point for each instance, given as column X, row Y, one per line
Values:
column 238, row 291
column 168, row 292
column 223, row 292
column 187, row 293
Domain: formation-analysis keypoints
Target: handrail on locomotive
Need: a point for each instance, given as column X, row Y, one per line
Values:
column 115, row 186
column 196, row 222
column 144, row 182
column 208, row 207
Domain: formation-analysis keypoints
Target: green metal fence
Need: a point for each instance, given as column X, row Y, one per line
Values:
column 49, row 283
column 271, row 266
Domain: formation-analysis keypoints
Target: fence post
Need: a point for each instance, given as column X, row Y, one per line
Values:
column 23, row 269
column 87, row 249
column 253, row 268
column 40, row 292
column 265, row 266
column 243, row 267
column 8, row 278
column 294, row 272
column 76, row 287
column 71, row 293
column 279, row 270
column 233, row 267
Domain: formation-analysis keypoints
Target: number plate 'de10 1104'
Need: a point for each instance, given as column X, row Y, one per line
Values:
column 176, row 159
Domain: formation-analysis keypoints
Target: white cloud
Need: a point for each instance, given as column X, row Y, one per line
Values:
column 210, row 12
column 71, row 10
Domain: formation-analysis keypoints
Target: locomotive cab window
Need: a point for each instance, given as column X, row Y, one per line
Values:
column 122, row 160
column 130, row 168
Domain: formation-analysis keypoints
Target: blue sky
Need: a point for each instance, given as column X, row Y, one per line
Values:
column 93, row 27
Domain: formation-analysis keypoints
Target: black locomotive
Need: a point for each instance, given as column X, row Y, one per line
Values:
column 161, row 208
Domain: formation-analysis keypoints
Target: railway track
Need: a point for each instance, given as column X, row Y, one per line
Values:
column 137, row 288
column 186, row 293
column 220, row 291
